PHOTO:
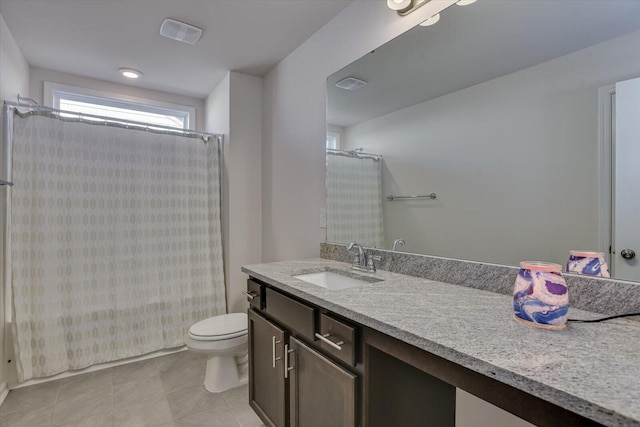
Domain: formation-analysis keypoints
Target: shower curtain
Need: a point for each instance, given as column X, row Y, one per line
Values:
column 354, row 199
column 115, row 242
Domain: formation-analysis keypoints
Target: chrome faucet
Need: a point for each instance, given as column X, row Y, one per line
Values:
column 396, row 243
column 362, row 261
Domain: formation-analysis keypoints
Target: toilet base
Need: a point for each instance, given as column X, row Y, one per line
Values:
column 223, row 374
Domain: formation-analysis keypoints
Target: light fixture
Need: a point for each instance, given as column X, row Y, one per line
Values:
column 428, row 22
column 179, row 31
column 398, row 4
column 351, row 83
column 405, row 7
column 130, row 73
column 465, row 2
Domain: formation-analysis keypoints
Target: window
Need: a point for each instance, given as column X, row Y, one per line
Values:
column 333, row 140
column 334, row 136
column 86, row 101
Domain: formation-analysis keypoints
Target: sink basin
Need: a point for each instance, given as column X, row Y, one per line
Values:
column 334, row 281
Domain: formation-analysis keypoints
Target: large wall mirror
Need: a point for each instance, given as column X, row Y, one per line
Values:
column 520, row 116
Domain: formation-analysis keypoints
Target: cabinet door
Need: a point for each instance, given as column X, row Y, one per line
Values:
column 266, row 370
column 321, row 392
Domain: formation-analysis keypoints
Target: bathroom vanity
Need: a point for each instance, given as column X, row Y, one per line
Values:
column 396, row 351
column 284, row 356
column 327, row 372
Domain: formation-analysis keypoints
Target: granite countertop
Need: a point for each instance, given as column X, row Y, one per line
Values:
column 592, row 369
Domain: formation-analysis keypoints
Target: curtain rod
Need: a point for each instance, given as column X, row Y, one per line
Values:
column 354, row 153
column 108, row 121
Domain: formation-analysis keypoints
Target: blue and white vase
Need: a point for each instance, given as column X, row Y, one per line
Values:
column 540, row 295
column 588, row 263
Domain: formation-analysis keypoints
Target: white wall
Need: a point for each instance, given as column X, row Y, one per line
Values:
column 514, row 161
column 14, row 80
column 14, row 69
column 234, row 108
column 40, row 75
column 474, row 412
column 217, row 106
column 294, row 105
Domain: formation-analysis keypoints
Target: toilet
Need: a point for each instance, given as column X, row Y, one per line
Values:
column 224, row 340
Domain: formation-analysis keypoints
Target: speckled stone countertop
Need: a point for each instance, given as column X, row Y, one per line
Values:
column 590, row 369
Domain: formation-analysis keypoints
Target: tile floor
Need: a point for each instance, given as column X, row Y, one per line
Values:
column 166, row 391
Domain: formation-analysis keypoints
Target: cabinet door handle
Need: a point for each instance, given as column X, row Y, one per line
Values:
column 250, row 295
column 273, row 350
column 286, row 361
column 325, row 338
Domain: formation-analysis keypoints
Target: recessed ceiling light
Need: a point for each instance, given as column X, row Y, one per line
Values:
column 465, row 2
column 130, row 73
column 435, row 18
column 351, row 83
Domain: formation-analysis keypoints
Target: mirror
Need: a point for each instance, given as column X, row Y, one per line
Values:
column 505, row 110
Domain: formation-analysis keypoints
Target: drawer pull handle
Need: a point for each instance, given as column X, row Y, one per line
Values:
column 287, row 368
column 273, row 352
column 325, row 338
column 250, row 295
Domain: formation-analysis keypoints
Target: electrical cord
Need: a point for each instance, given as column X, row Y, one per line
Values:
column 602, row 319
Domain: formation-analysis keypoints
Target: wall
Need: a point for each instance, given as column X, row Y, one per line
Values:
column 474, row 412
column 294, row 105
column 40, row 75
column 14, row 80
column 505, row 157
column 14, row 68
column 234, row 108
column 217, row 121
column 244, row 162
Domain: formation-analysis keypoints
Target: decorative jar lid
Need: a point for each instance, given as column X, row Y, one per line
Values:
column 587, row 254
column 541, row 266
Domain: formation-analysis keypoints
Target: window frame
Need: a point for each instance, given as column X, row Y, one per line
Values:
column 53, row 92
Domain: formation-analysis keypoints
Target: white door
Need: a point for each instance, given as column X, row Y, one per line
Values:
column 626, row 197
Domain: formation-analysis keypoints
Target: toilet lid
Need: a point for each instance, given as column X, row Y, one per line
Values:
column 224, row 326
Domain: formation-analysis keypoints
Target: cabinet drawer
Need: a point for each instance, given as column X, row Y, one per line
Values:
column 342, row 335
column 290, row 313
column 255, row 294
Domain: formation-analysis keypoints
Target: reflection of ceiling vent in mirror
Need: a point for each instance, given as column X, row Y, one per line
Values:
column 350, row 83
column 180, row 31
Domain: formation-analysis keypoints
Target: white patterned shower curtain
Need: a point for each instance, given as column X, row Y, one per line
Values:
column 354, row 199
column 115, row 242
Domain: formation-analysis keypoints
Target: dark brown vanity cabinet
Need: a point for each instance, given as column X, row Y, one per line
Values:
column 321, row 393
column 292, row 381
column 266, row 379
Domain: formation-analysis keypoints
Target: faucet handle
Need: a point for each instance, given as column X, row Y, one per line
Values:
column 371, row 266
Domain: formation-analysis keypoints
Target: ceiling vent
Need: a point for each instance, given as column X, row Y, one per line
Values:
column 180, row 31
column 350, row 83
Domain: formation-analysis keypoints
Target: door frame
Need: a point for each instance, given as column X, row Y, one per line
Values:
column 606, row 176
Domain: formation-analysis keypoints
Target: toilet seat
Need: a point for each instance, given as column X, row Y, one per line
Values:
column 222, row 327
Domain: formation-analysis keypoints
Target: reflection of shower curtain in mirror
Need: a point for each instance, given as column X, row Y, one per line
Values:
column 354, row 200
column 116, row 242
